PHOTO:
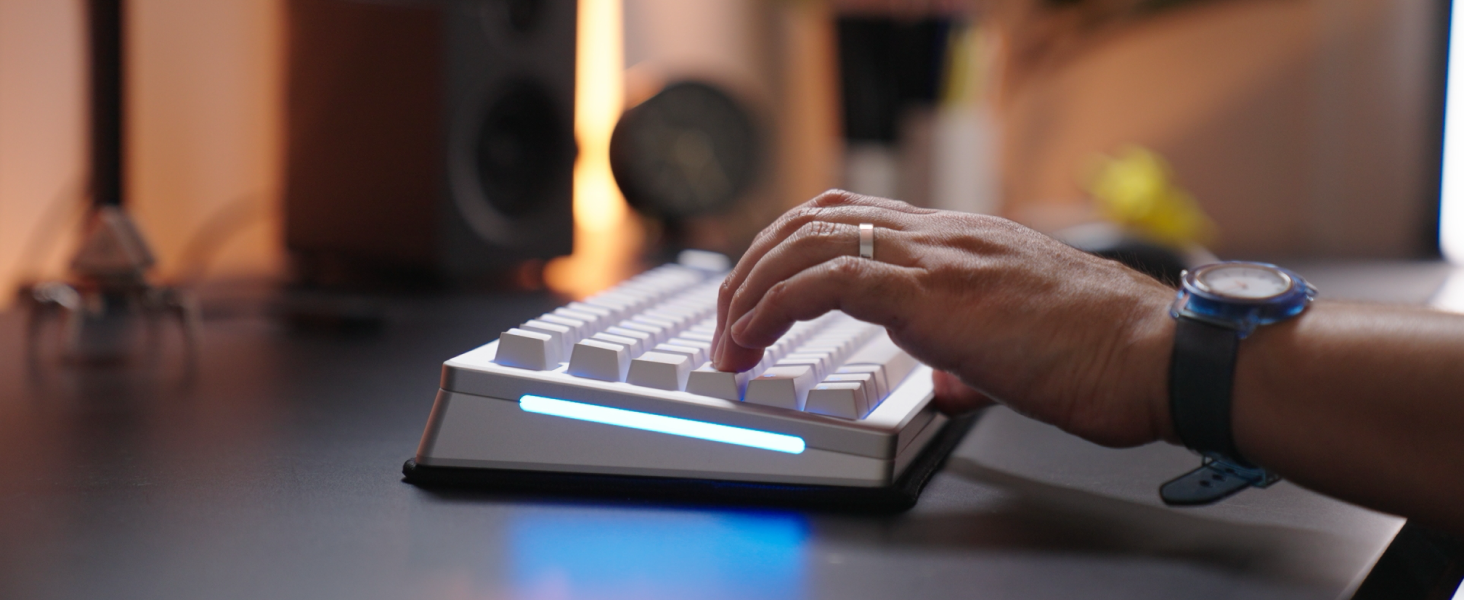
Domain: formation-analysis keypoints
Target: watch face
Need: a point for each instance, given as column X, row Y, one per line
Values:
column 1243, row 282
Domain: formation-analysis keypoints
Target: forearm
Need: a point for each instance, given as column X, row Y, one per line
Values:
column 1365, row 403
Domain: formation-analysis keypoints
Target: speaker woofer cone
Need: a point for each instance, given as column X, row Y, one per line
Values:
column 523, row 150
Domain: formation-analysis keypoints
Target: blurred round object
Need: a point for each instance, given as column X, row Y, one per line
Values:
column 1160, row 261
column 689, row 150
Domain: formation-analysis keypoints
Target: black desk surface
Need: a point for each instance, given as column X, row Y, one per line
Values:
column 275, row 473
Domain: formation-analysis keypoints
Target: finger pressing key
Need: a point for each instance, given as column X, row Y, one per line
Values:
column 836, row 206
column 869, row 291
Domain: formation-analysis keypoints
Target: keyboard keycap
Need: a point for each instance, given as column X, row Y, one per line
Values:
column 599, row 359
column 591, row 320
column 619, row 306
column 660, row 370
column 845, row 400
column 707, row 381
column 782, row 386
column 876, row 372
column 822, row 362
column 581, row 329
column 603, row 316
column 697, row 335
column 698, row 356
column 562, row 334
column 657, row 334
column 644, row 341
column 813, row 365
column 528, row 350
column 883, row 352
column 872, row 394
column 661, row 321
column 634, row 346
column 681, row 341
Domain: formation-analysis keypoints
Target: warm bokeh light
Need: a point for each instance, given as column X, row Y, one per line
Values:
column 205, row 133
column 607, row 238
column 203, row 128
column 42, row 139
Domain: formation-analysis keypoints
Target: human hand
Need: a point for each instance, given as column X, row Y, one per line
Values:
column 1063, row 336
column 953, row 396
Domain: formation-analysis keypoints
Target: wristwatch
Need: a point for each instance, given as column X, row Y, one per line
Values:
column 1217, row 306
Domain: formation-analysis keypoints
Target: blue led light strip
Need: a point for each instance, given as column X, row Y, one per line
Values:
column 620, row 417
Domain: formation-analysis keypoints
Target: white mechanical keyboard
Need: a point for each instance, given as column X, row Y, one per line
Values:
column 620, row 384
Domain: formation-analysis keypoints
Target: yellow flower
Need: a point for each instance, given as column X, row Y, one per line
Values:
column 1136, row 190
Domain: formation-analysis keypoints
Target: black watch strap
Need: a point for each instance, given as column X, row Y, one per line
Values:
column 1201, row 379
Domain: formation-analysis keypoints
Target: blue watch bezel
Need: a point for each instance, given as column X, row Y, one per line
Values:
column 1240, row 314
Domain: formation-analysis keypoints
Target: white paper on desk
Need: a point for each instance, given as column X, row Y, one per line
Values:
column 1108, row 496
column 1450, row 296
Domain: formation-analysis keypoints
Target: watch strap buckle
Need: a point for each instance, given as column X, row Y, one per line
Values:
column 1213, row 481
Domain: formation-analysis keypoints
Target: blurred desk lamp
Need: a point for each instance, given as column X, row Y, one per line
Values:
column 108, row 296
column 691, row 150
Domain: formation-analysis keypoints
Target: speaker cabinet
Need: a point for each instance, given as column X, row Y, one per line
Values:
column 428, row 138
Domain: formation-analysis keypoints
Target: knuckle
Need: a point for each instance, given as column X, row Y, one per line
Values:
column 941, row 238
column 794, row 219
column 996, row 223
column 845, row 268
column 769, row 231
column 788, row 222
column 816, row 231
column 900, row 204
column 725, row 291
column 956, row 275
column 987, row 220
column 737, row 306
column 835, row 197
column 776, row 294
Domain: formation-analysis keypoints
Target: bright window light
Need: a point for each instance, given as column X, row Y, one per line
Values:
column 663, row 424
column 1451, row 209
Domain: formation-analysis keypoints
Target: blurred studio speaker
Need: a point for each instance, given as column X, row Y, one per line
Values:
column 428, row 140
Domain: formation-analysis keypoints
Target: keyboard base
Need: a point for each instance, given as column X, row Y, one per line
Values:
column 899, row 496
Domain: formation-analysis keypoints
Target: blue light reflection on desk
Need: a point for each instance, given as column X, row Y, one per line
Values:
column 644, row 555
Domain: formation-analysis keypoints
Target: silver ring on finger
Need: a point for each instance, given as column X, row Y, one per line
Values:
column 866, row 241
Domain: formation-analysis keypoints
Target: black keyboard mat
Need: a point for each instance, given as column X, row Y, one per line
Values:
column 895, row 498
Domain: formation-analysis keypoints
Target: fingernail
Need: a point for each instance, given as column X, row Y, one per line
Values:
column 717, row 344
column 741, row 324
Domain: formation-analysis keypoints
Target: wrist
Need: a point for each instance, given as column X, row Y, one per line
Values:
column 1153, row 350
column 1135, row 386
column 1265, row 375
column 1217, row 307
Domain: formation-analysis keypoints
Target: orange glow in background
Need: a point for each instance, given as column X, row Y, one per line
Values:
column 607, row 237
column 203, row 136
